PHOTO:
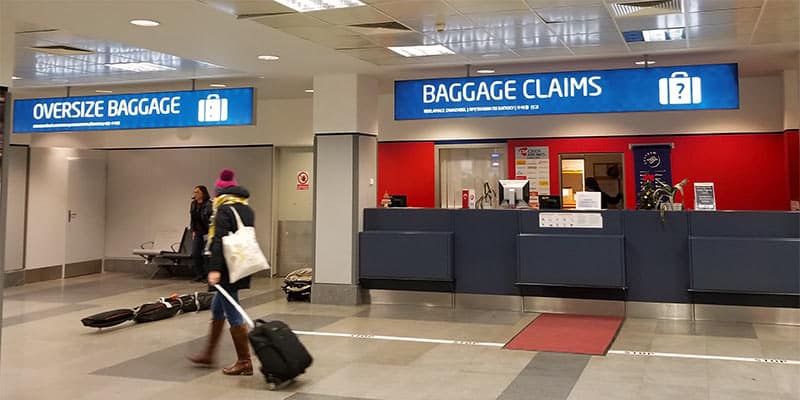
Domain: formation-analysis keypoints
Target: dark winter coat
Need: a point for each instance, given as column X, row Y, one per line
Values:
column 200, row 217
column 224, row 223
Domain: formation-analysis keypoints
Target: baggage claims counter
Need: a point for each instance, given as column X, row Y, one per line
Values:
column 723, row 258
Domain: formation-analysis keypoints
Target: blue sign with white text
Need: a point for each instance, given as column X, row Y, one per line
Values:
column 135, row 111
column 695, row 87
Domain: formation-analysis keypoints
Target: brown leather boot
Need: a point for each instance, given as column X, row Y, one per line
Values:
column 243, row 365
column 208, row 355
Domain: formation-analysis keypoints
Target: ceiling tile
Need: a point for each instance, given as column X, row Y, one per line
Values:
column 781, row 10
column 591, row 26
column 562, row 3
column 416, row 9
column 513, row 33
column 398, row 39
column 464, row 35
column 535, row 41
column 707, row 5
column 785, row 34
column 543, row 52
column 370, row 53
column 732, row 33
column 433, row 24
column 500, row 20
column 605, row 50
column 344, row 42
column 651, row 22
column 593, row 39
column 481, row 47
column 291, row 21
column 645, row 47
column 244, row 7
column 444, row 59
column 483, row 6
column 569, row 14
column 497, row 56
column 350, row 16
column 723, row 17
column 314, row 33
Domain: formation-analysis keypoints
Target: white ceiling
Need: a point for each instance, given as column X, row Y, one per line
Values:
column 510, row 36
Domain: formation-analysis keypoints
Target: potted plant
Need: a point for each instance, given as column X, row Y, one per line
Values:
column 654, row 194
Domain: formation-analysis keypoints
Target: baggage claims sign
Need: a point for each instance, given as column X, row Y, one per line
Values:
column 135, row 111
column 696, row 87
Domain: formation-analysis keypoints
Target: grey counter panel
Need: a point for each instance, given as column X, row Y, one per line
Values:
column 408, row 219
column 657, row 256
column 423, row 256
column 572, row 260
column 745, row 265
column 745, row 224
column 612, row 223
column 485, row 251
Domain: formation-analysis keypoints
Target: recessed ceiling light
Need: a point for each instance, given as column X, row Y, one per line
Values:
column 309, row 90
column 145, row 22
column 316, row 5
column 217, row 85
column 485, row 71
column 103, row 91
column 15, row 78
column 645, row 62
column 268, row 58
column 140, row 67
column 661, row 35
column 421, row 51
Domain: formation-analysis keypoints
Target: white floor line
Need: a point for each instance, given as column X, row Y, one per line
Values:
column 492, row 344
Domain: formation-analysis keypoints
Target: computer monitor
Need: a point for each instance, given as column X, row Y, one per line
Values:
column 398, row 200
column 513, row 193
column 549, row 202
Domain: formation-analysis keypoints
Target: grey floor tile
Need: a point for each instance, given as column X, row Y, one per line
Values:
column 302, row 322
column 706, row 328
column 44, row 314
column 312, row 396
column 660, row 391
column 90, row 291
column 549, row 375
column 261, row 298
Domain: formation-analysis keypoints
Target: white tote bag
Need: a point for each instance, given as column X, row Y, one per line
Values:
column 242, row 253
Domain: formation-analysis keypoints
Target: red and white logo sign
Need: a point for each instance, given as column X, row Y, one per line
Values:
column 302, row 180
column 523, row 152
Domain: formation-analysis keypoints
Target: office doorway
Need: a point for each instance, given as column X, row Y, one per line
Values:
column 600, row 170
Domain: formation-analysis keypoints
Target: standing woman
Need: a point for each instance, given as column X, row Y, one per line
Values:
column 230, row 196
column 200, row 213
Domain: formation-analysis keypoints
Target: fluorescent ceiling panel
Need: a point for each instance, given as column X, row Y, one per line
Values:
column 421, row 51
column 661, row 35
column 317, row 5
column 140, row 67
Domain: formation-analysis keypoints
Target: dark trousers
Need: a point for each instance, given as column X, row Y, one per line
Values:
column 199, row 264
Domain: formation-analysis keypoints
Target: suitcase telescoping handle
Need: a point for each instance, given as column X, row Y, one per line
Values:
column 236, row 305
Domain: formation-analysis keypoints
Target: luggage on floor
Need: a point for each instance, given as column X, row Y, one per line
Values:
column 108, row 318
column 283, row 357
column 297, row 284
column 156, row 311
column 198, row 301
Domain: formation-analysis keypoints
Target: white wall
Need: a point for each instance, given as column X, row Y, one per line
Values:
column 15, row 220
column 282, row 122
column 761, row 110
column 47, row 204
column 149, row 191
column 791, row 100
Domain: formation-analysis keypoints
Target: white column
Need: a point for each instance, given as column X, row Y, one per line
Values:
column 345, row 168
column 791, row 101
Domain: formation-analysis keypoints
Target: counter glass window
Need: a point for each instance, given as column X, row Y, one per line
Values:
column 592, row 172
column 469, row 167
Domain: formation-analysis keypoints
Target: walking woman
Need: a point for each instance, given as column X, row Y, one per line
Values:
column 229, row 196
column 200, row 216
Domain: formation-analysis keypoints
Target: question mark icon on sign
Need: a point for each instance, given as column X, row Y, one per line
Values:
column 681, row 86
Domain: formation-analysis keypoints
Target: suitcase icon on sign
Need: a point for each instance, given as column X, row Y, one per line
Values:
column 212, row 109
column 679, row 88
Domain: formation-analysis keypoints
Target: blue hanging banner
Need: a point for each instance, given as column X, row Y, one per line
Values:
column 652, row 160
column 223, row 107
column 695, row 87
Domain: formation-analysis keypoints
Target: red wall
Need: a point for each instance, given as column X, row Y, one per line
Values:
column 792, row 144
column 749, row 171
column 407, row 168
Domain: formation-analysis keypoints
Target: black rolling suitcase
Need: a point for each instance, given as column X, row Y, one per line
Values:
column 283, row 357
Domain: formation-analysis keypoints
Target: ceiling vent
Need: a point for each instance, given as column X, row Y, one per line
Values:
column 61, row 50
column 262, row 15
column 627, row 8
column 379, row 28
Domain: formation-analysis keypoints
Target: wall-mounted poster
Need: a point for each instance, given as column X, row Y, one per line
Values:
column 533, row 163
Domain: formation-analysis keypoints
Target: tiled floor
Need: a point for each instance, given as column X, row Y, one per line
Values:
column 48, row 354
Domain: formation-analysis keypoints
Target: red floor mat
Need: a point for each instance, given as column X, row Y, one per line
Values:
column 566, row 333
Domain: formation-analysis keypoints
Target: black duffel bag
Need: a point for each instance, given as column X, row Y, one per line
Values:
column 108, row 318
column 157, row 311
column 283, row 357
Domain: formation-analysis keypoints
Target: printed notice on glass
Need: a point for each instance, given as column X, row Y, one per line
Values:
column 533, row 163
column 570, row 220
column 704, row 196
